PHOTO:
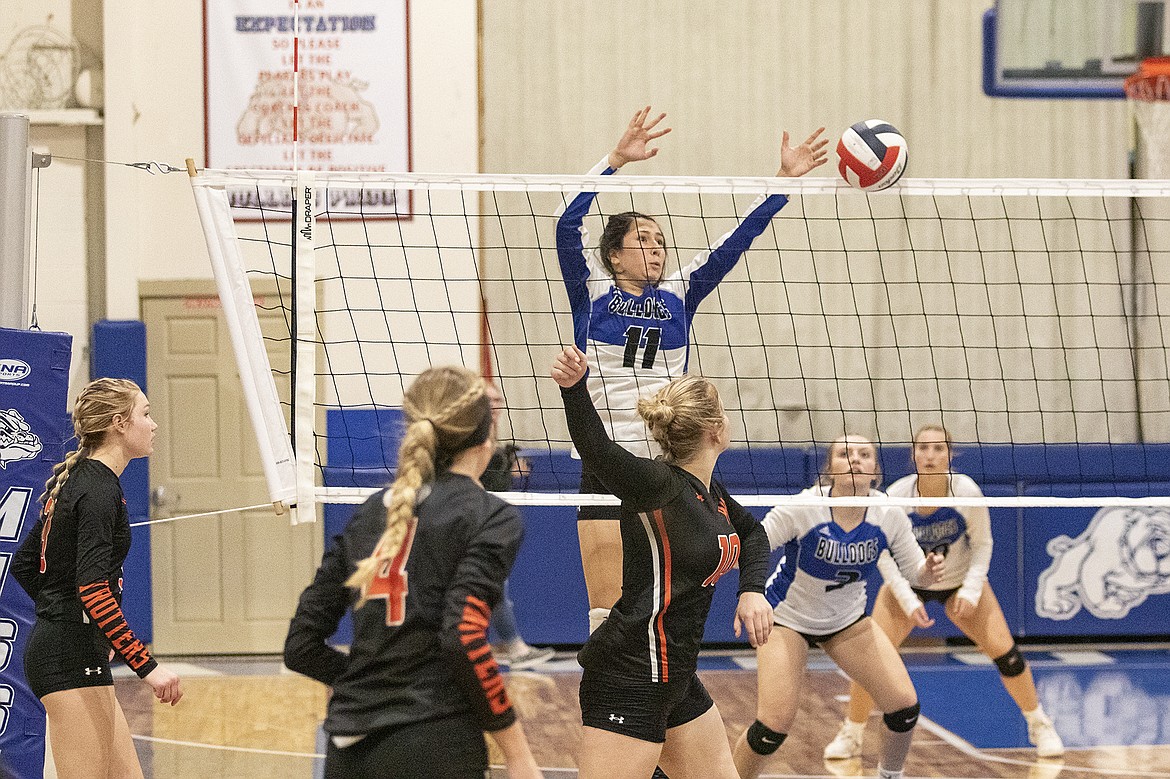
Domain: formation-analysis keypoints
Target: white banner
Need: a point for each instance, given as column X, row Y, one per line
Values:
column 350, row 90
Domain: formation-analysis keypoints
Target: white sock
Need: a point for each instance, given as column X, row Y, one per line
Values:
column 1035, row 714
column 855, row 727
column 596, row 617
column 884, row 774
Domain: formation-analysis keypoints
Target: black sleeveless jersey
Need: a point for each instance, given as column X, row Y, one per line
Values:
column 678, row 538
column 71, row 562
column 420, row 647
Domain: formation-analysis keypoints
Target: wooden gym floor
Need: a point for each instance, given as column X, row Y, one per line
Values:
column 244, row 717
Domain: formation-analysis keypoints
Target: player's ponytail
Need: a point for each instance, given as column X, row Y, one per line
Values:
column 447, row 411
column 680, row 414
column 98, row 403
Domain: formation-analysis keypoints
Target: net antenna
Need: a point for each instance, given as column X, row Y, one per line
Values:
column 1021, row 314
column 1148, row 94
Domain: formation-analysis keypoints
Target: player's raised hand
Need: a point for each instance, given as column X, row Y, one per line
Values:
column 633, row 146
column 569, row 367
column 808, row 155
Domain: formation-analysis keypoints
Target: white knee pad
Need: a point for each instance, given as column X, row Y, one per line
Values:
column 596, row 617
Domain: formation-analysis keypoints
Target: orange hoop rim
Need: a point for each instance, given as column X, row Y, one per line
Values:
column 1151, row 82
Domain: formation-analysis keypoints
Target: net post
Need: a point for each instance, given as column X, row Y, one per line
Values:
column 15, row 196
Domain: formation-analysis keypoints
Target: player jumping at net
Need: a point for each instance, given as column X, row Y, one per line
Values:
column 963, row 535
column 422, row 563
column 818, row 591
column 632, row 319
column 642, row 703
column 71, row 566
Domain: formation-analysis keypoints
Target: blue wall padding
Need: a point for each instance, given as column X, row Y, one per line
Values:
column 1115, row 578
column 34, row 390
column 548, row 588
column 363, row 438
column 118, row 351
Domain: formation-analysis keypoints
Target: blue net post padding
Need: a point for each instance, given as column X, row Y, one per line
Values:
column 34, row 430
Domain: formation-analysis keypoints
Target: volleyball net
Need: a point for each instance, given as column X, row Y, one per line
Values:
column 1031, row 318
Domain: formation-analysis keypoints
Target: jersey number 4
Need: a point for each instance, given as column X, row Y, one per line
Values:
column 390, row 580
column 634, row 342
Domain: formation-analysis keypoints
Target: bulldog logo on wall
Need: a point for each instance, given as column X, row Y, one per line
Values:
column 17, row 440
column 1121, row 558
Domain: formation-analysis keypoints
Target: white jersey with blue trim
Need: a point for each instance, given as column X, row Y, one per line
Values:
column 636, row 343
column 819, row 587
column 961, row 534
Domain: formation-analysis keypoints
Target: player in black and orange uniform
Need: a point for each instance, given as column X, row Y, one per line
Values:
column 71, row 565
column 422, row 563
column 641, row 701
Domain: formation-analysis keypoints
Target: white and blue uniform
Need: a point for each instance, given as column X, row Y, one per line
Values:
column 818, row 588
column 635, row 344
column 961, row 534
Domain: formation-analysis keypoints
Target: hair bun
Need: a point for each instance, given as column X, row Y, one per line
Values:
column 657, row 411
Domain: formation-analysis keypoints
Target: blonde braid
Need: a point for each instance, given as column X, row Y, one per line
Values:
column 416, row 459
column 60, row 476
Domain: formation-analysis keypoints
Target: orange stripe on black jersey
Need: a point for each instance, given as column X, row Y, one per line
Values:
column 103, row 610
column 661, row 524
column 473, row 626
column 45, row 532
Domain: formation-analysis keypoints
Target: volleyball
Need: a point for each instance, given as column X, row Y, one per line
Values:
column 872, row 155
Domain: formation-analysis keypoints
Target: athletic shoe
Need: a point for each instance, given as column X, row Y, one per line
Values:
column 527, row 658
column 1047, row 741
column 847, row 743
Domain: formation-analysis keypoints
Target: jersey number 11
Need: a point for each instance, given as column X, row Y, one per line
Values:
column 634, row 342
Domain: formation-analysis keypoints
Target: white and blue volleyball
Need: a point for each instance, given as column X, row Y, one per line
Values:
column 872, row 155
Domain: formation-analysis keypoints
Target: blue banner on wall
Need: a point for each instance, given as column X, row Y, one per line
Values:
column 34, row 429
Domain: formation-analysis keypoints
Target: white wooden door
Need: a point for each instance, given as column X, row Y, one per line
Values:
column 227, row 583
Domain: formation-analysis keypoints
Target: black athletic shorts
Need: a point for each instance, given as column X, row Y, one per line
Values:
column 591, row 485
column 65, row 656
column 436, row 749
column 815, row 640
column 938, row 596
column 641, row 710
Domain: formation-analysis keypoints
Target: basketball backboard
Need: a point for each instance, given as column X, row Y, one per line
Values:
column 1069, row 48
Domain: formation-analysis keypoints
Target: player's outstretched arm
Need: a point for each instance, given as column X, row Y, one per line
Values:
column 634, row 145
column 803, row 158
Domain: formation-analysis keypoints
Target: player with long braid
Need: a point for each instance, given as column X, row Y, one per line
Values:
column 71, row 566
column 818, row 591
column 632, row 319
column 422, row 564
column 963, row 535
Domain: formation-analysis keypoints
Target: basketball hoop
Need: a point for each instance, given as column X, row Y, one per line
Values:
column 1148, row 94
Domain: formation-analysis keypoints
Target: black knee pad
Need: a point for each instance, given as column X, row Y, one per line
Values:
column 1011, row 663
column 902, row 720
column 763, row 740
